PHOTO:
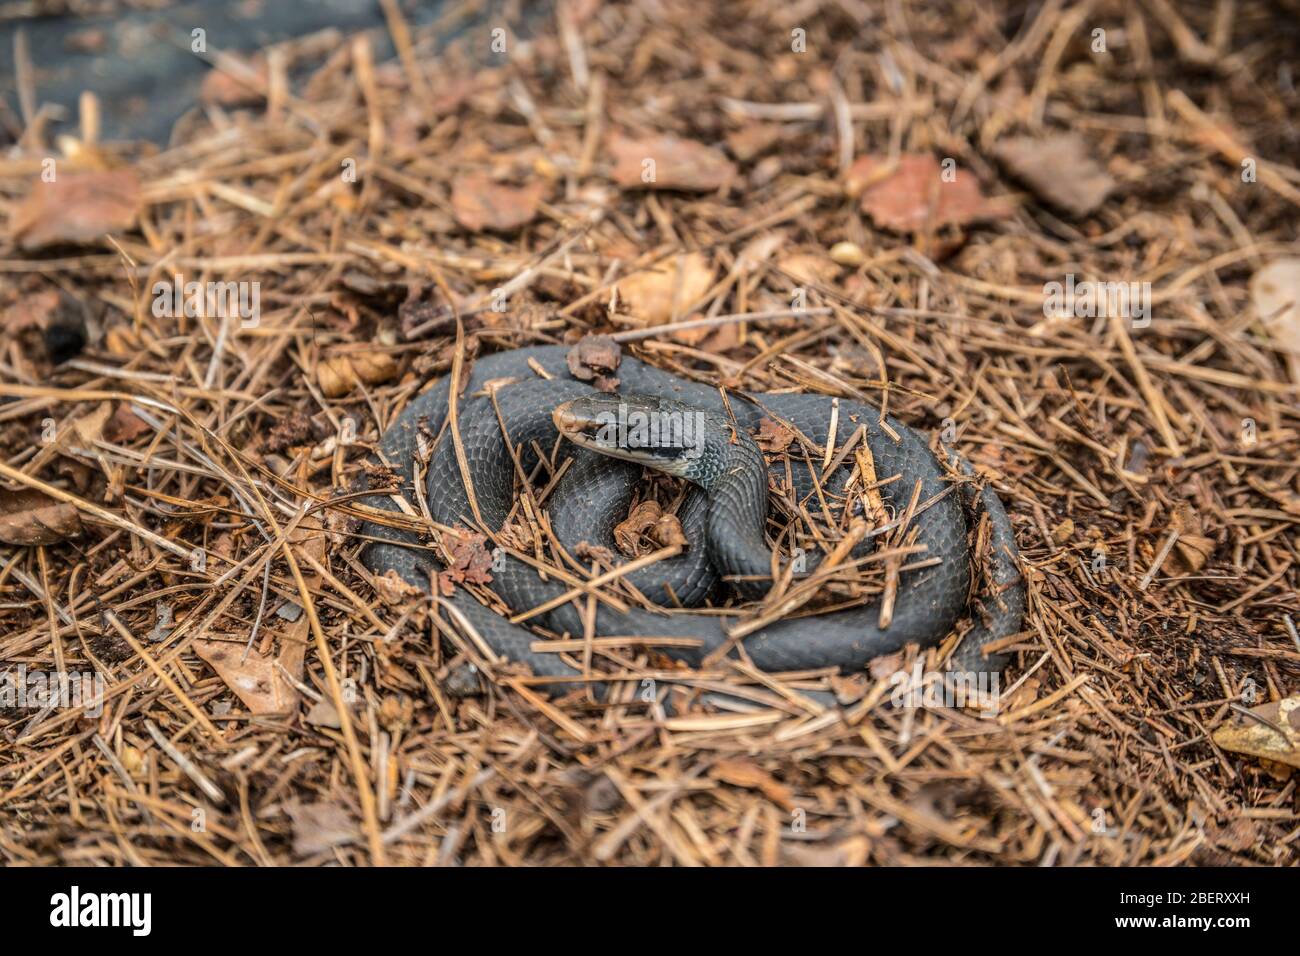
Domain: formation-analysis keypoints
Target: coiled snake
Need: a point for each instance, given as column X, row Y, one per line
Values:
column 723, row 516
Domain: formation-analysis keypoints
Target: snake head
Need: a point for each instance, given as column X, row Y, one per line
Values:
column 667, row 436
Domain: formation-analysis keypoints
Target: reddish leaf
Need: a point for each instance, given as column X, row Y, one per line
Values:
column 77, row 207
column 915, row 196
column 666, row 162
column 773, row 436
column 479, row 203
column 470, row 563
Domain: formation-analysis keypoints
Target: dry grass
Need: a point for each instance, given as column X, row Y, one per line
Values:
column 1101, row 440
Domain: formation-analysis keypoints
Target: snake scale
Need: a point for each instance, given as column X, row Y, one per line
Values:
column 723, row 521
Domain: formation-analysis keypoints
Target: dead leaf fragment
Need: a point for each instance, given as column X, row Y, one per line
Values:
column 395, row 591
column 915, row 197
column 324, row 714
column 479, row 203
column 629, row 531
column 319, row 826
column 124, row 425
column 77, row 208
column 595, row 359
column 667, row 162
column 667, row 532
column 1059, row 169
column 29, row 517
column 339, row 374
column 469, row 563
column 664, row 291
column 1275, row 292
column 1271, row 733
column 255, row 678
column 754, row 139
column 773, row 437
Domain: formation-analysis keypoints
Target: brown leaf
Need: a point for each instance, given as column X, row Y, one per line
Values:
column 470, row 563
column 667, row 532
column 914, row 197
column 479, row 203
column 809, row 268
column 324, row 714
column 32, row 311
column 124, row 425
column 772, row 436
column 1193, row 550
column 753, row 140
column 395, row 591
column 319, row 826
column 1063, row 531
column 743, row 773
column 1059, row 170
column 595, row 357
column 339, row 374
column 666, row 162
column 628, row 532
column 77, row 208
column 655, row 295
column 1273, row 733
column 29, row 517
column 1275, row 293
column 255, row 678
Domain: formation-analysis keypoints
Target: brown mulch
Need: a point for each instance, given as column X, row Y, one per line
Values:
column 267, row 700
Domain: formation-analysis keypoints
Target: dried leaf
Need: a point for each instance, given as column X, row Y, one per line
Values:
column 667, row 532
column 319, row 826
column 1059, row 169
column 479, row 203
column 629, row 531
column 470, row 563
column 29, row 517
column 31, row 311
column 667, row 289
column 772, row 436
column 255, row 678
column 666, row 162
column 753, row 140
column 339, row 374
column 595, row 358
column 77, row 208
column 324, row 714
column 124, row 425
column 1275, row 292
column 395, row 591
column 915, row 197
column 1273, row 733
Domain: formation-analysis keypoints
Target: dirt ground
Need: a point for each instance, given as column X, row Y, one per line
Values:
column 1063, row 235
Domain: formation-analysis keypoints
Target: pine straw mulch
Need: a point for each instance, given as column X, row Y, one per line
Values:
column 1158, row 537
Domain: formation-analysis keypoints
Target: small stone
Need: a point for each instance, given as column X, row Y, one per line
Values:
column 848, row 254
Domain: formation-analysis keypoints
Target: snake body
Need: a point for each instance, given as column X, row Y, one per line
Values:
column 727, row 513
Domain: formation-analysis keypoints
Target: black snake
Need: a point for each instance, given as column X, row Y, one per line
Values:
column 723, row 516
